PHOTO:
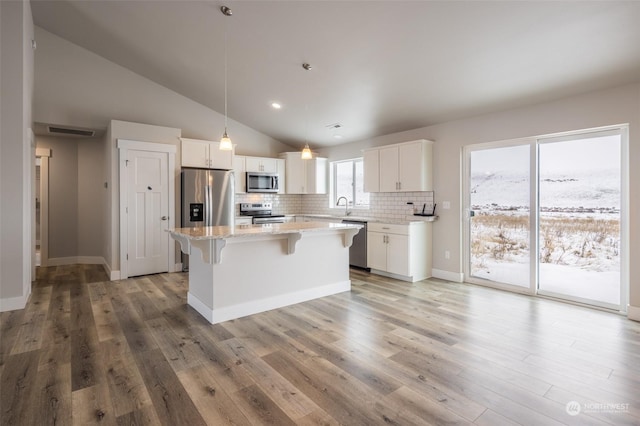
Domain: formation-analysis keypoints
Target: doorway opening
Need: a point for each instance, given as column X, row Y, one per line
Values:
column 41, row 205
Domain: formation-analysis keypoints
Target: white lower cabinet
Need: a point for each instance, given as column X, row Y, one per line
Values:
column 400, row 251
column 243, row 220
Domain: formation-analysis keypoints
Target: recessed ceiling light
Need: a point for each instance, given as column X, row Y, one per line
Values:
column 337, row 136
column 276, row 105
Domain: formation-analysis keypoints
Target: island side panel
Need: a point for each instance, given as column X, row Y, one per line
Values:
column 256, row 275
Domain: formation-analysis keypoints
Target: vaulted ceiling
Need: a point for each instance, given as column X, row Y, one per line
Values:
column 378, row 67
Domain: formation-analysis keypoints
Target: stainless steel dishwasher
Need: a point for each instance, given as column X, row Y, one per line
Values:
column 358, row 250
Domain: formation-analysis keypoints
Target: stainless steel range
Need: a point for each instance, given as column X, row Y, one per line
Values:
column 261, row 213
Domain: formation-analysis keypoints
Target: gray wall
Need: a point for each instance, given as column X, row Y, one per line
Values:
column 602, row 108
column 17, row 155
column 77, row 87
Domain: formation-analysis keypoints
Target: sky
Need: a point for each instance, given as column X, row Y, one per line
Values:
column 555, row 157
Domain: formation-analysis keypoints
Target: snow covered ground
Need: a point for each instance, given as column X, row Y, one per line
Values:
column 579, row 231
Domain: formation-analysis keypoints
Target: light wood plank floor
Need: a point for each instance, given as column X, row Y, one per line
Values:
column 86, row 351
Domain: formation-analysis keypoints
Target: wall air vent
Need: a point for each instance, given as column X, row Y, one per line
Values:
column 69, row 131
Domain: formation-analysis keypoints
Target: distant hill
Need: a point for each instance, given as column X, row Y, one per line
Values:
column 577, row 191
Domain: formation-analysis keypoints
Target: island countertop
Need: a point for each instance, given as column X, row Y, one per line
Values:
column 226, row 232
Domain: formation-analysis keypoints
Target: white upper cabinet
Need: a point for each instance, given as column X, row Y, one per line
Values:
column 371, row 162
column 262, row 164
column 205, row 154
column 239, row 172
column 399, row 168
column 305, row 176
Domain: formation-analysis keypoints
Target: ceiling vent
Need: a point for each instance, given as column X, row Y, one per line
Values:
column 334, row 126
column 70, row 131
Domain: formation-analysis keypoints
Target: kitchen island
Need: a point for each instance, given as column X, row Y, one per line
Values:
column 247, row 269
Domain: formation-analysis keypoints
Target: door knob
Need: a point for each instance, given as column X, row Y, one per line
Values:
column 164, row 217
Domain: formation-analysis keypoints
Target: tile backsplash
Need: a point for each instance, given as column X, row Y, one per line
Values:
column 385, row 206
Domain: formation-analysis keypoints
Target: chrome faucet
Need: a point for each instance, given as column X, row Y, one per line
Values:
column 346, row 205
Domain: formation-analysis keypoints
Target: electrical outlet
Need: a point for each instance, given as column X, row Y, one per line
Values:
column 446, row 205
column 447, row 254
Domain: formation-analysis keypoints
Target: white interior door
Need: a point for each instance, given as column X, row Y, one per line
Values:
column 147, row 212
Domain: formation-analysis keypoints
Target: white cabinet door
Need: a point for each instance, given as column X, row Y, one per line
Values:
column 371, row 164
column 194, row 153
column 399, row 167
column 305, row 176
column 240, row 174
column 281, row 169
column 389, row 169
column 205, row 154
column 398, row 254
column 270, row 165
column 296, row 176
column 253, row 164
column 316, row 175
column 411, row 167
column 377, row 251
column 262, row 164
column 220, row 159
column 243, row 221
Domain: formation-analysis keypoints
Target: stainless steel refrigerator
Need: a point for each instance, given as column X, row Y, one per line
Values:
column 207, row 200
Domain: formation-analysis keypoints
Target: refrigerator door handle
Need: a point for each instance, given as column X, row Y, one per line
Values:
column 207, row 205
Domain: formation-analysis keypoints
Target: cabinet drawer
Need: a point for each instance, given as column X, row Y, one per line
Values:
column 388, row 228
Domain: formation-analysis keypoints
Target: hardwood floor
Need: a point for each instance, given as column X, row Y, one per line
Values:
column 86, row 351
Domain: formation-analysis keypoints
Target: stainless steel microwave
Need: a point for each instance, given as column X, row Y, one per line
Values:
column 262, row 182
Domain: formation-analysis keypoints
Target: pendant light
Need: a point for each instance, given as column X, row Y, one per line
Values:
column 306, row 151
column 225, row 141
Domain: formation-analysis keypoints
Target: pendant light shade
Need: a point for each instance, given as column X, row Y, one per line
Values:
column 306, row 153
column 225, row 141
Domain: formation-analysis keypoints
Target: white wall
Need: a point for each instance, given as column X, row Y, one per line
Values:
column 77, row 87
column 137, row 132
column 17, row 155
column 607, row 107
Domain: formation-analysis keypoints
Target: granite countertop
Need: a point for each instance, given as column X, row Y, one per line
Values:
column 224, row 232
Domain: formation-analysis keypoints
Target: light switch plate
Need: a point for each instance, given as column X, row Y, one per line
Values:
column 446, row 205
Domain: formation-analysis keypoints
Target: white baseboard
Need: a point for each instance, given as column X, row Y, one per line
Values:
column 633, row 313
column 113, row 275
column 395, row 276
column 257, row 306
column 76, row 260
column 456, row 277
column 13, row 303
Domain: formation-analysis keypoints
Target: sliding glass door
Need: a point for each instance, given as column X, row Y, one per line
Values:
column 579, row 211
column 499, row 216
column 546, row 216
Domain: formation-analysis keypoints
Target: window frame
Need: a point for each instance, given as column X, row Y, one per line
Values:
column 334, row 184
